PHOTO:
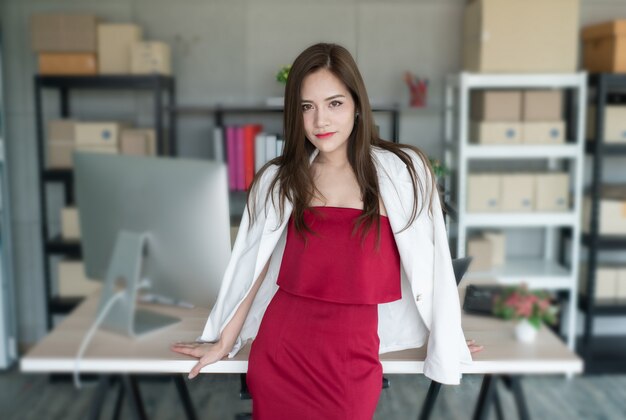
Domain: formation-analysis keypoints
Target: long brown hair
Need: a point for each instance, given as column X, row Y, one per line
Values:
column 293, row 177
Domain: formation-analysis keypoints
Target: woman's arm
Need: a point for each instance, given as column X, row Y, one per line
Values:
column 208, row 353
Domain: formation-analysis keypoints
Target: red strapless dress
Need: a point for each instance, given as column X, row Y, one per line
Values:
column 316, row 353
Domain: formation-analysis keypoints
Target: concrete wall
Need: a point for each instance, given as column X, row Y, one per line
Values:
column 228, row 52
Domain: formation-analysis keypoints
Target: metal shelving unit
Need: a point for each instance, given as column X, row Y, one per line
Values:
column 599, row 351
column 8, row 324
column 159, row 86
column 552, row 271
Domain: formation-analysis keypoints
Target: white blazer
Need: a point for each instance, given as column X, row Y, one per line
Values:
column 429, row 310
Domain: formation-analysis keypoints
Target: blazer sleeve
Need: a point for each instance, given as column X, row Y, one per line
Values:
column 239, row 274
column 447, row 349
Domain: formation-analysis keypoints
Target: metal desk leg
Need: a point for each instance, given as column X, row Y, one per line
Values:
column 429, row 403
column 98, row 398
column 520, row 400
column 486, row 396
column 118, row 401
column 136, row 404
column 498, row 403
column 183, row 393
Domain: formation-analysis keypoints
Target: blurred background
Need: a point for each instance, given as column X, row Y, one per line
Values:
column 521, row 106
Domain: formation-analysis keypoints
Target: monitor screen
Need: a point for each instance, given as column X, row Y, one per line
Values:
column 180, row 205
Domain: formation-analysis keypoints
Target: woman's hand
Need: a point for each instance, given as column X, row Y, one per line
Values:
column 206, row 353
column 473, row 347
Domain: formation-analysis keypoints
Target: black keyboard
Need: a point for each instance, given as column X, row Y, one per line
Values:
column 479, row 299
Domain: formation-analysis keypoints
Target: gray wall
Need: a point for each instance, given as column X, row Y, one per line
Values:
column 228, row 51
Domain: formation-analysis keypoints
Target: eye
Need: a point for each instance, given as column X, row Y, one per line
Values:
column 335, row 104
column 306, row 107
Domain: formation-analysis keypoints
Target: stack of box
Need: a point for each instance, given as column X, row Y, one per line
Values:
column 614, row 124
column 60, row 144
column 97, row 137
column 610, row 282
column 496, row 117
column 79, row 45
column 517, row 192
column 521, row 36
column 487, row 250
column 66, row 44
column 604, row 47
column 65, row 136
column 516, row 117
column 542, row 116
column 611, row 211
column 70, row 224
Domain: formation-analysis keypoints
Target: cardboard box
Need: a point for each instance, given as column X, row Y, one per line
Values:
column 150, row 58
column 61, row 64
column 64, row 33
column 61, row 131
column 483, row 193
column 517, row 192
column 621, row 283
column 496, row 105
column 70, row 223
column 542, row 105
column 60, row 155
column 611, row 211
column 552, row 192
column 97, row 133
column 604, row 47
column 481, row 251
column 543, row 132
column 495, row 132
column 138, row 142
column 606, row 283
column 614, row 123
column 521, row 36
column 114, row 47
column 498, row 247
column 72, row 280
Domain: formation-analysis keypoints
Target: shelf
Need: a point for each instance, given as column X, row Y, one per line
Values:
column 608, row 149
column 62, row 175
column 61, row 246
column 519, row 219
column 63, row 305
column 105, row 82
column 607, row 242
column 616, row 307
column 511, row 81
column 523, row 151
column 537, row 273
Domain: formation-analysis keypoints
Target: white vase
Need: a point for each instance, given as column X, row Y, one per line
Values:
column 525, row 332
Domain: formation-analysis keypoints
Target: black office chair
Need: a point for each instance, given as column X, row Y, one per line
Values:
column 460, row 266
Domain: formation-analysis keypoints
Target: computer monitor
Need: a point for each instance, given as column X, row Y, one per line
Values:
column 159, row 224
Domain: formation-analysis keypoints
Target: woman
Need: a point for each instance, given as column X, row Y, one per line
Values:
column 341, row 255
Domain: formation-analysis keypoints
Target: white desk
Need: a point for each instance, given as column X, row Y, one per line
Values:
column 114, row 354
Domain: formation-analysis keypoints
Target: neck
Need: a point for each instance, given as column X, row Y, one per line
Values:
column 336, row 160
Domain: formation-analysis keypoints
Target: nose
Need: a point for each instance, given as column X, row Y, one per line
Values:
column 321, row 117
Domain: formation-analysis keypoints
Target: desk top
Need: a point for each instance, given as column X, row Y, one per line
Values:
column 113, row 353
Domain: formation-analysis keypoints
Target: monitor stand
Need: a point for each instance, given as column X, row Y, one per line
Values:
column 124, row 274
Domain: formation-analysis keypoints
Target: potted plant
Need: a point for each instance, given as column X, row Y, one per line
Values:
column 281, row 77
column 529, row 308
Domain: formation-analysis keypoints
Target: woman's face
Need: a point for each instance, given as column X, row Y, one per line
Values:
column 328, row 111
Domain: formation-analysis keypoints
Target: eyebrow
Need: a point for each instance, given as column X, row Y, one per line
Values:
column 327, row 99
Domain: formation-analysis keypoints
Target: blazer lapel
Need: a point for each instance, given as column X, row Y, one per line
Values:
column 273, row 228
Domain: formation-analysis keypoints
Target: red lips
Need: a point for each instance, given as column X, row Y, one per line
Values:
column 324, row 136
